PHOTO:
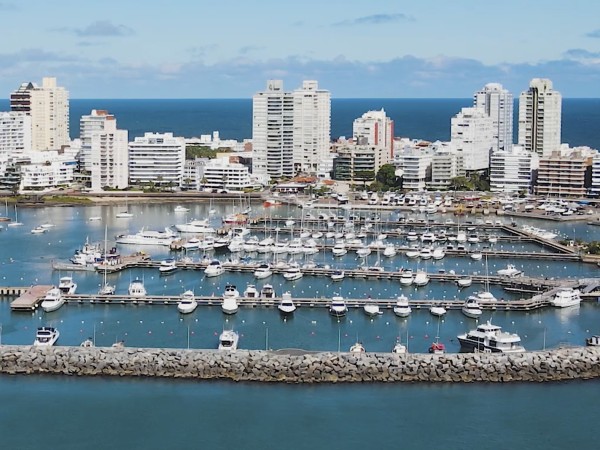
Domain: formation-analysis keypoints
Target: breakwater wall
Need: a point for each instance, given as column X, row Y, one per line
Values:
column 299, row 367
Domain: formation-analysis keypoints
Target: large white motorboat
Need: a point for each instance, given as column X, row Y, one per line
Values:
column 46, row 337
column 421, row 279
column 136, row 288
column 490, row 338
column 566, row 297
column 214, row 269
column 228, row 340
column 267, row 291
column 407, row 278
column 167, row 266
column 426, row 253
column 402, row 307
column 250, row 292
column 483, row 297
column 339, row 249
column 229, row 305
column 67, row 285
column 231, row 292
column 53, row 300
column 265, row 245
column 363, row 251
column 471, row 308
column 338, row 307
column 286, row 306
column 195, row 226
column 148, row 237
column 464, row 282
column 187, row 303
column 509, row 271
column 437, row 311
column 263, row 271
column 293, row 273
column 371, row 308
column 87, row 255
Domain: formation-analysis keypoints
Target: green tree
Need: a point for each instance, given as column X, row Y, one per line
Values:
column 461, row 184
column 387, row 176
column 364, row 176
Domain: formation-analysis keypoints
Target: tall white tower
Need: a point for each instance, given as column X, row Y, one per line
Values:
column 375, row 128
column 472, row 133
column 48, row 107
column 312, row 126
column 497, row 103
column 540, row 117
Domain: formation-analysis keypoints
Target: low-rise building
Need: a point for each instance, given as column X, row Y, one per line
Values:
column 221, row 173
column 47, row 170
column 354, row 161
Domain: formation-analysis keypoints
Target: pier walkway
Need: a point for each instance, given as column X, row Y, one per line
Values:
column 29, row 299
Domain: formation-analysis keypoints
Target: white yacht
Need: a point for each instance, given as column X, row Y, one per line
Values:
column 476, row 256
column 566, row 297
column 509, row 271
column 231, row 292
column 389, row 251
column 267, row 291
column 357, row 348
column 464, row 282
column 39, row 230
column 228, row 340
column 371, row 308
column 483, row 297
column 53, row 300
column 471, row 308
column 437, row 311
column 181, row 209
column 407, row 278
column 251, row 244
column 412, row 236
column 293, row 273
column 426, row 253
column 148, row 237
column 399, row 348
column 230, row 304
column 490, row 338
column 363, row 251
column 337, row 275
column 167, row 266
column 136, row 288
column 421, row 278
column 339, row 249
column 263, row 271
column 265, row 245
column 214, row 269
column 191, row 244
column 250, row 292
column 402, row 308
column 438, row 253
column 338, row 307
column 67, row 285
column 195, row 226
column 46, row 337
column 413, row 253
column 295, row 247
column 187, row 303
column 286, row 306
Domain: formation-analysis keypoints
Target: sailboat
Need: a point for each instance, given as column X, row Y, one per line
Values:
column 16, row 223
column 124, row 214
column 5, row 218
column 437, row 348
column 106, row 289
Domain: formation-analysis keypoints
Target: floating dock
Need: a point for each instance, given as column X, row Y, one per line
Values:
column 29, row 299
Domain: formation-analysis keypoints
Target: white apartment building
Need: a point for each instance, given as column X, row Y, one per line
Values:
column 109, row 157
column 374, row 128
column 414, row 158
column 540, row 110
column 511, row 170
column 48, row 106
column 595, row 188
column 15, row 136
column 352, row 159
column 88, row 125
column 497, row 103
column 472, row 134
column 158, row 159
column 47, row 170
column 446, row 163
column 312, row 126
column 220, row 173
column 273, row 132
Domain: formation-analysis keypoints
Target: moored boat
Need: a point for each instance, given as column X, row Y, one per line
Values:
column 337, row 307
column 46, row 336
column 228, row 340
column 490, row 338
column 472, row 309
column 53, row 300
column 187, row 302
column 566, row 298
column 286, row 306
column 402, row 307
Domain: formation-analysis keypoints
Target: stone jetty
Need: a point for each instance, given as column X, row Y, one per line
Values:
column 302, row 367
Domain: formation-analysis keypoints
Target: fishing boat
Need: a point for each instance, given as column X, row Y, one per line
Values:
column 357, row 348
column 471, row 308
column 187, row 302
column 337, row 307
column 228, row 340
column 46, row 336
column 286, row 306
column 402, row 307
column 214, row 269
column 437, row 348
column 490, row 338
column 66, row 285
column 53, row 300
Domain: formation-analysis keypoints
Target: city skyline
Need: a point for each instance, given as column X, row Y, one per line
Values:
column 427, row 49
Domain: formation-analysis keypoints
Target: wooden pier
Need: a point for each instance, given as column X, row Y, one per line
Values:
column 29, row 299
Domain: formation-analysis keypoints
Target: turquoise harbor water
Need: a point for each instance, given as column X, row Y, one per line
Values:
column 186, row 414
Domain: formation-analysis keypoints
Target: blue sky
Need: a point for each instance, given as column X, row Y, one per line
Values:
column 367, row 48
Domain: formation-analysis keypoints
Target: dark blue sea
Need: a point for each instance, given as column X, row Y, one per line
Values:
column 414, row 118
column 99, row 413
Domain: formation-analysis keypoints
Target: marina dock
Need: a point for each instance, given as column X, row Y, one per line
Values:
column 29, row 298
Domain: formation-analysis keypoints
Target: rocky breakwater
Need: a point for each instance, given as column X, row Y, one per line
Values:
column 299, row 367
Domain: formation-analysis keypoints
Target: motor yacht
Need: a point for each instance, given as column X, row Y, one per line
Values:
column 267, row 291
column 483, row 297
column 566, row 297
column 229, row 305
column 402, row 307
column 389, row 251
column 53, row 300
column 293, row 273
column 337, row 275
column 39, row 230
column 357, row 348
column 228, row 340
column 339, row 249
column 214, row 269
column 490, row 338
column 473, row 238
column 363, row 251
column 337, row 307
column 279, row 248
column 407, row 278
column 437, row 311
column 148, row 237
column 412, row 236
column 426, row 253
column 464, row 282
column 295, row 247
column 263, row 271
column 46, row 337
column 191, row 244
column 250, row 292
column 399, row 348
column 67, row 285
column 265, row 245
column 231, row 292
column 428, row 236
column 251, row 244
column 509, row 271
column 195, row 226
column 476, row 256
column 167, row 266
column 136, row 288
column 421, row 278
column 187, row 303
column 471, row 308
column 438, row 253
column 371, row 308
column 286, row 306
column 181, row 209
column 413, row 253
column 492, row 239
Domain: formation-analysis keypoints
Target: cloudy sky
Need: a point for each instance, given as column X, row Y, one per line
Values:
column 364, row 48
